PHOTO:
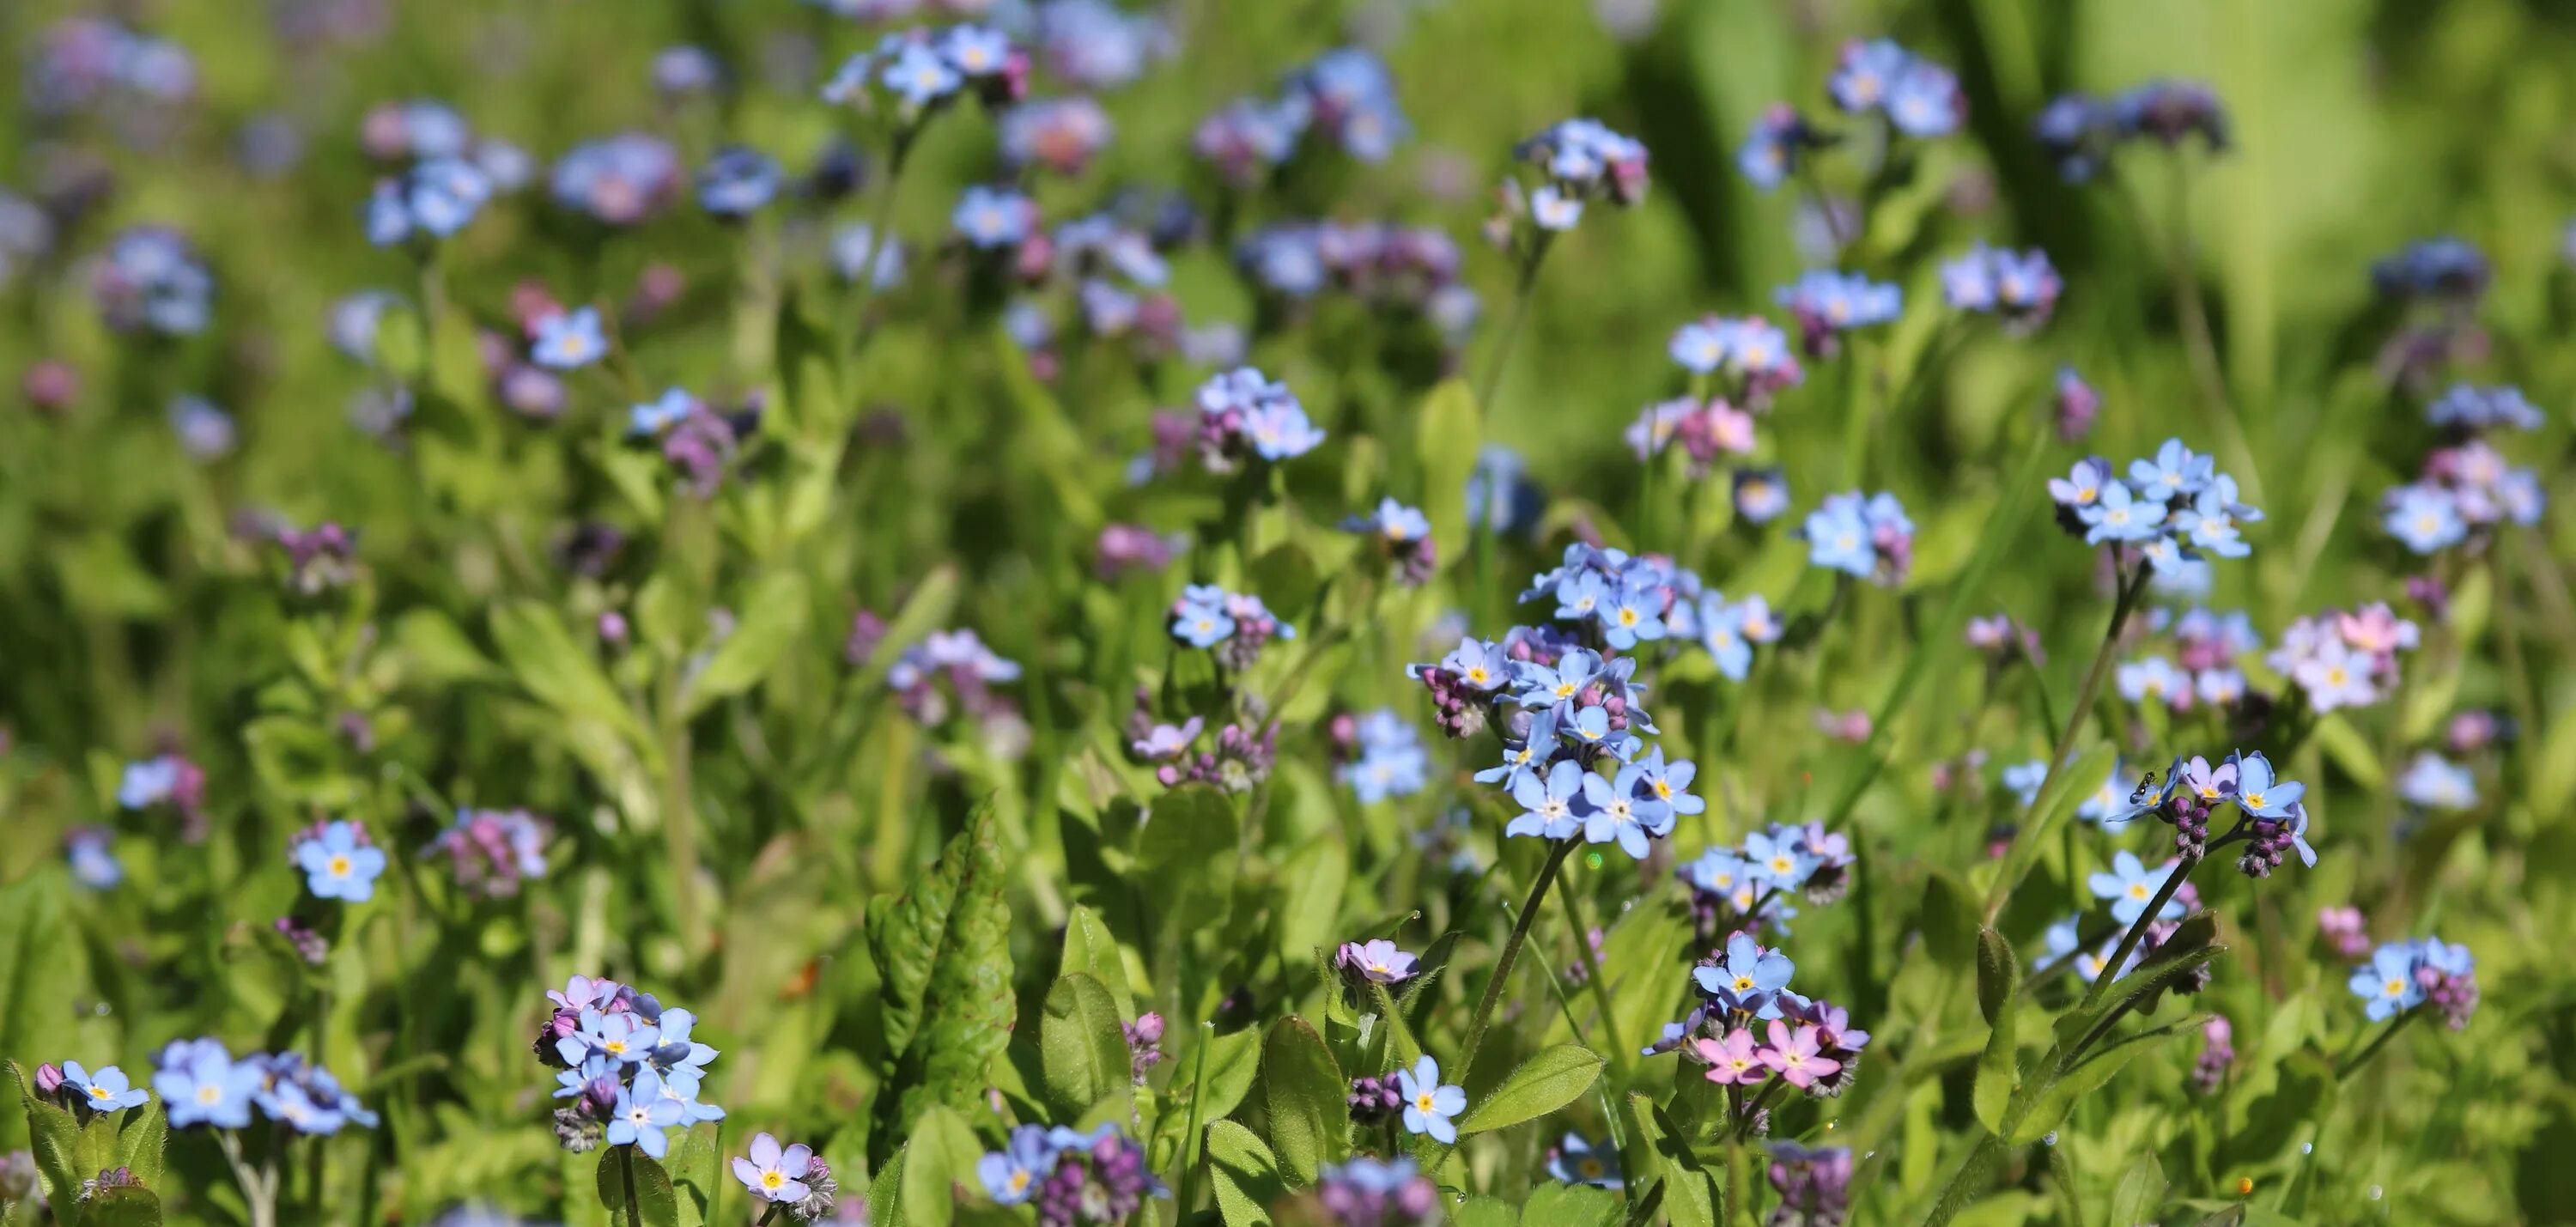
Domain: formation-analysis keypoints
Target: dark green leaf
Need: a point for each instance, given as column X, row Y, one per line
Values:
column 140, row 1144
column 622, row 1168
column 1307, row 1098
column 1082, row 1047
column 943, row 952
column 1246, row 1175
column 1689, row 1197
column 1286, row 581
column 1949, row 921
column 37, row 981
column 1998, row 974
column 2305, row 1094
column 130, row 1206
column 1549, row 1080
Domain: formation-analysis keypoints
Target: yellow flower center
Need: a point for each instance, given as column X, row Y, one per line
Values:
column 1743, row 982
column 1423, row 1101
column 339, row 866
column 2253, row 800
column 773, row 1179
column 2137, row 890
column 2396, row 988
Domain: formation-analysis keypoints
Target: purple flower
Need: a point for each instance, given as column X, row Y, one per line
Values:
column 1377, row 961
column 774, row 1174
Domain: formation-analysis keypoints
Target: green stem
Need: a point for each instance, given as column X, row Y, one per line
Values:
column 2353, row 1062
column 1482, row 542
column 1511, row 953
column 1573, row 900
column 679, row 823
column 2137, row 932
column 2131, row 589
column 626, row 1174
column 1193, row 1147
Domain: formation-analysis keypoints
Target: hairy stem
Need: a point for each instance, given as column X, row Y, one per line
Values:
column 1511, row 953
column 2131, row 588
column 2138, row 930
column 2353, row 1061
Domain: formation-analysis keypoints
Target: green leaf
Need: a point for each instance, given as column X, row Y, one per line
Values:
column 1082, row 1047
column 1310, row 885
column 2066, row 789
column 2050, row 1109
column 1089, row 946
column 695, row 1168
column 1234, row 1063
column 557, row 669
column 1998, row 1073
column 1483, row 1211
column 1689, row 1198
column 2140, row 1192
column 437, row 650
column 1446, row 438
column 943, row 953
column 885, row 1191
column 656, row 1205
column 55, row 1140
column 1550, row 1079
column 1307, row 1098
column 808, row 372
column 2185, row 951
column 1246, row 1175
column 939, row 1155
column 1286, row 581
column 771, row 616
column 129, row 1206
column 1949, row 921
column 2305, row 1094
column 2553, row 771
column 37, row 982
column 140, row 1144
column 923, row 612
column 1558, row 1204
column 1186, row 854
column 1998, row 974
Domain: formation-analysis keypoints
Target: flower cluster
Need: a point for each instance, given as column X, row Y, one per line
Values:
column 1706, row 430
column 86, row 1094
column 2271, row 820
column 1245, row 415
column 431, row 200
column 1827, row 304
column 968, row 667
column 2208, row 645
column 1242, row 757
column 1579, row 160
column 1403, row 534
column 1366, row 1191
column 1095, row 44
column 789, row 1178
column 2343, row 659
column 1918, row 97
column 2173, row 508
column 151, row 280
column 1808, row 1044
column 2021, row 287
column 1386, row 757
column 2466, row 485
column 1060, row 134
column 1381, row 263
column 916, row 71
column 618, row 180
column 1747, row 886
column 1814, row 1184
column 171, row 780
column 201, row 1084
column 1865, row 537
column 2401, row 976
column 1237, row 625
column 737, row 182
column 2080, row 132
column 629, row 1066
column 2443, row 268
column 492, row 851
column 2217, row 1054
column 1074, row 1177
column 1345, row 93
column 1749, row 352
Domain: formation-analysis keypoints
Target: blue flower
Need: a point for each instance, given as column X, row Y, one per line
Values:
column 2211, row 524
column 108, row 1090
column 1481, row 665
column 445, row 193
column 1865, row 73
column 1428, row 1106
column 2259, row 794
column 1393, row 521
column 621, row 1037
column 2172, row 474
column 1546, row 686
column 1579, row 595
column 920, row 76
column 337, row 866
column 976, row 51
column 2387, row 982
column 2426, row 518
column 1925, row 101
column 1829, row 301
column 992, row 218
column 1391, row 761
column 568, row 340
column 1576, row 1160
column 1620, row 815
column 674, row 1050
column 680, row 1087
column 2119, row 516
column 1749, row 977
column 674, row 407
column 1202, row 624
column 2130, row 887
column 207, row 1087
column 1838, row 539
column 1531, row 754
column 1554, row 804
column 2153, row 679
column 148, row 782
column 1761, row 495
column 1012, row 1174
column 1635, row 614
column 1721, row 631
column 2024, row 780
column 644, row 1115
column 737, row 182
column 2435, row 782
column 1670, row 783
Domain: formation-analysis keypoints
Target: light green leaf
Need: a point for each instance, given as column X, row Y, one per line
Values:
column 130, row 1206
column 940, row 1153
column 1483, row 1211
column 2050, row 1109
column 1549, row 1080
column 38, row 983
column 1090, row 947
column 2066, row 789
column 1998, row 1073
column 1307, row 1098
column 2140, row 1192
column 557, row 669
column 1310, row 886
column 1558, row 1204
column 55, row 1140
column 1690, row 1200
column 771, row 615
column 1082, row 1047
column 140, row 1144
column 1446, row 438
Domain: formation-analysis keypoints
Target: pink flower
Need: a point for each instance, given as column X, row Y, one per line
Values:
column 1732, row 1061
column 1793, row 1055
